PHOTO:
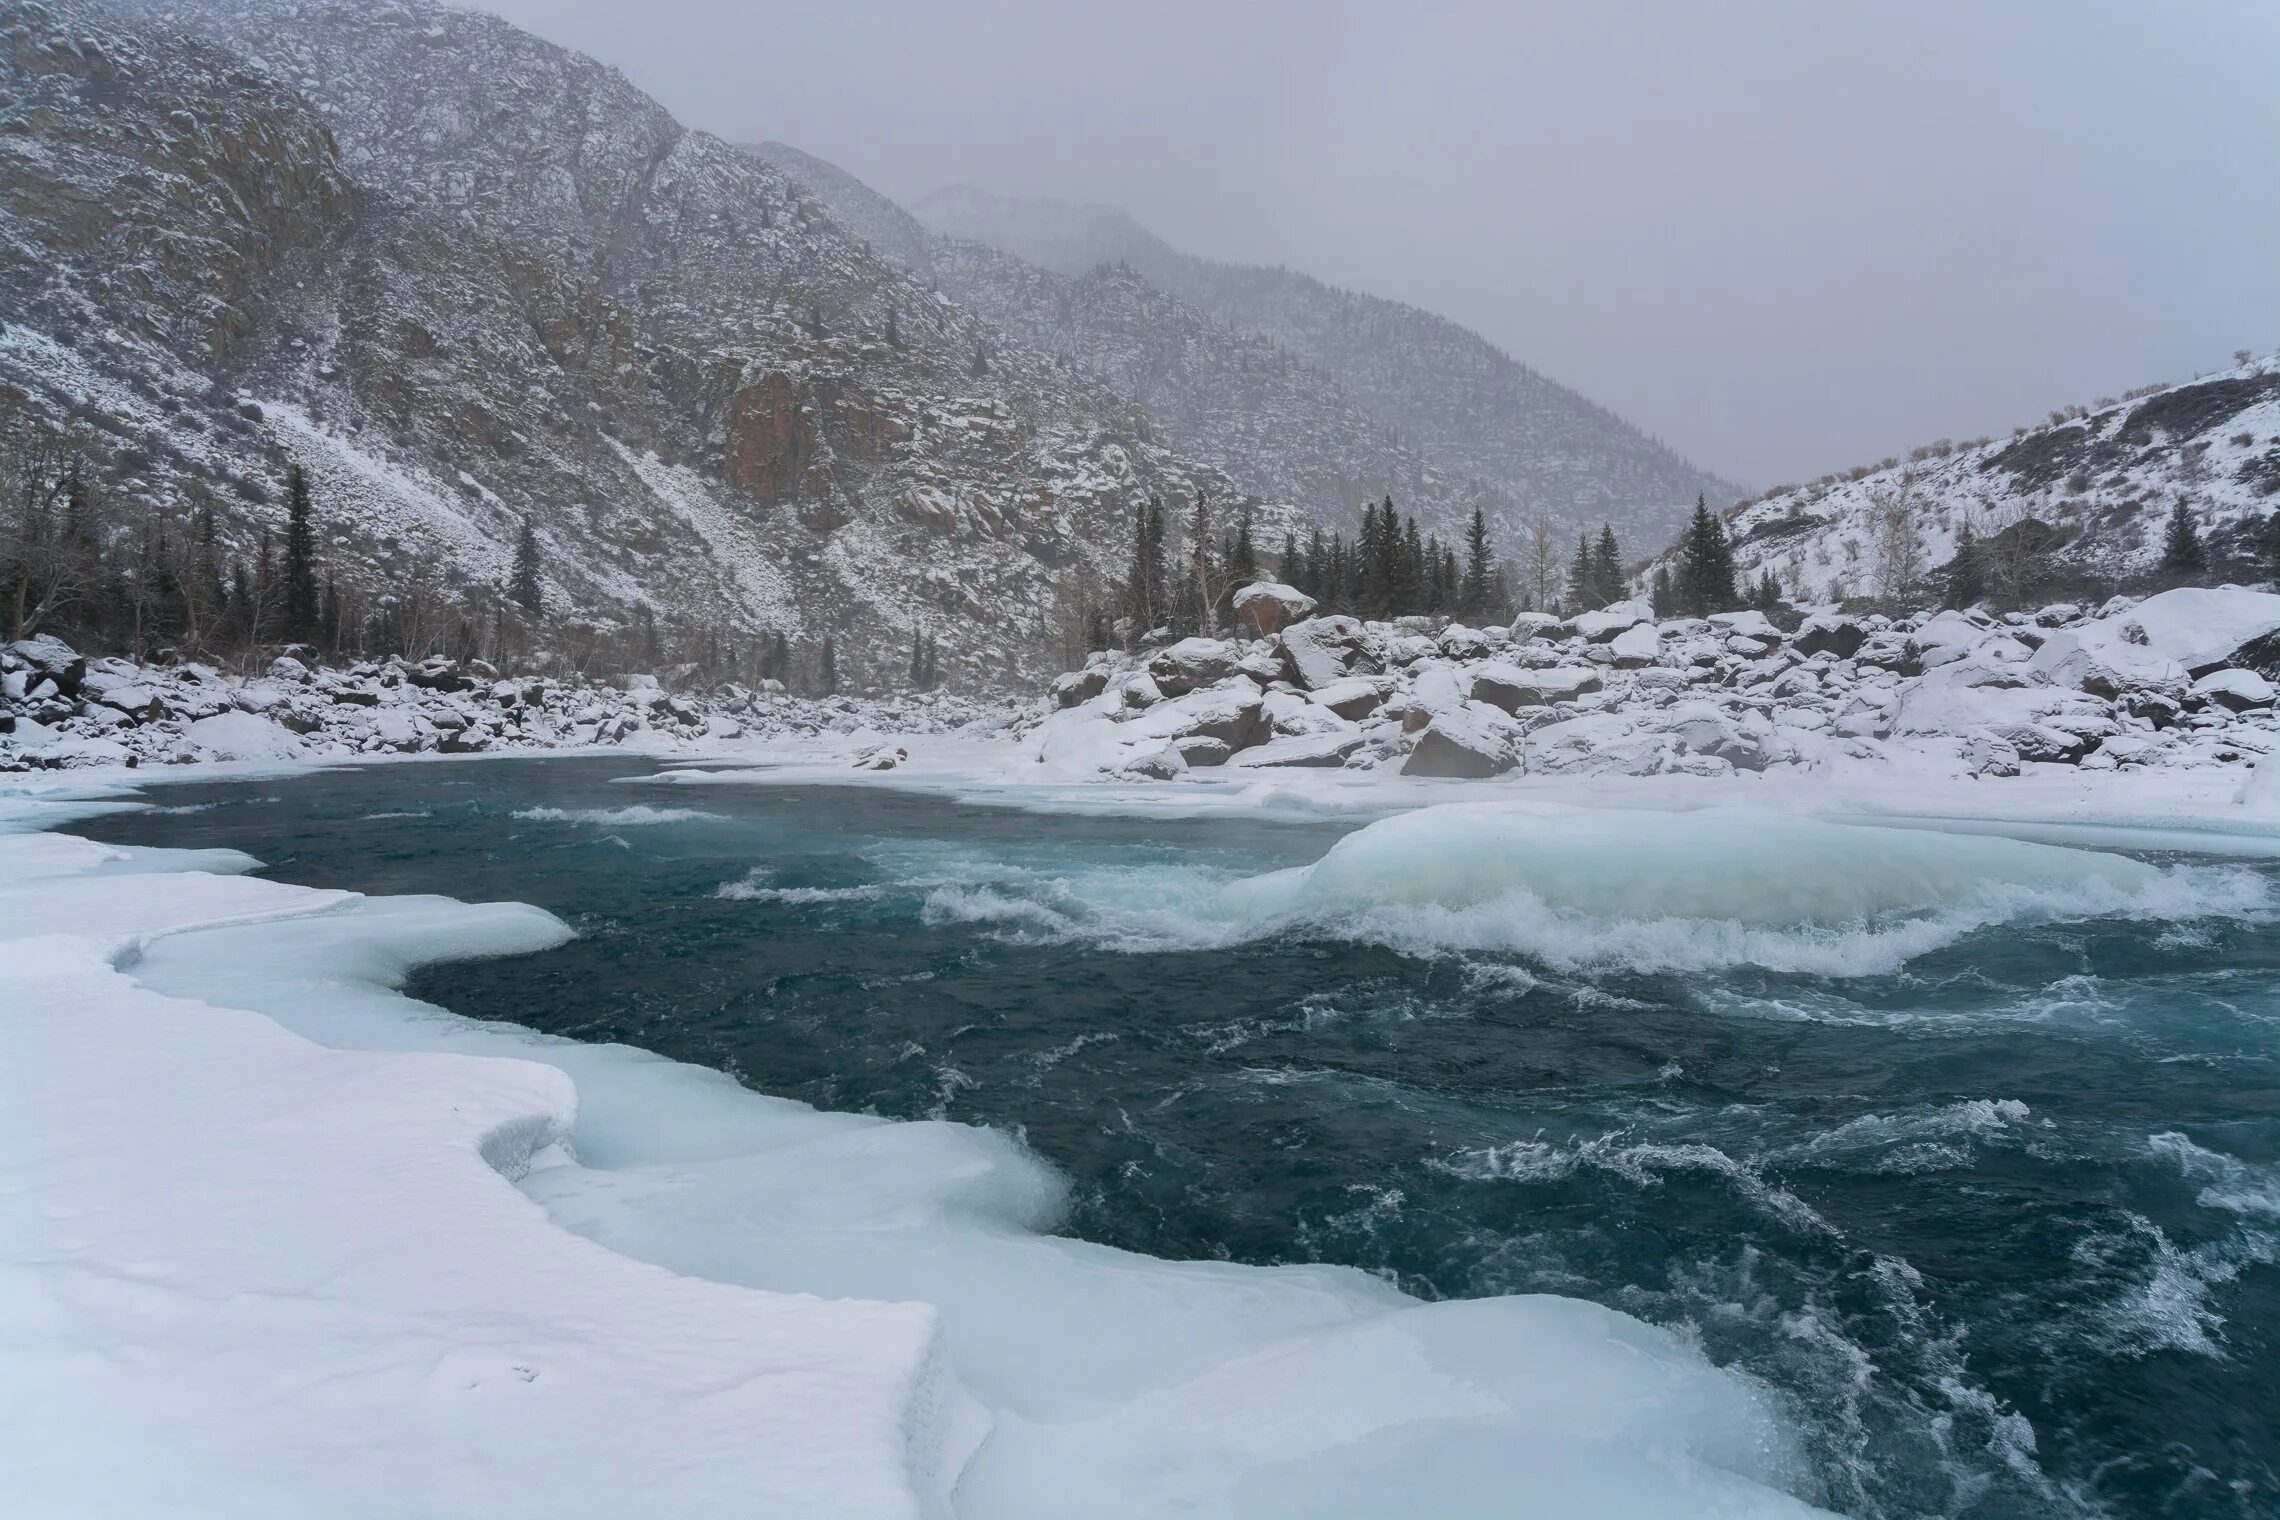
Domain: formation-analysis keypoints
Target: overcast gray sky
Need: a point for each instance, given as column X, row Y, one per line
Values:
column 1786, row 235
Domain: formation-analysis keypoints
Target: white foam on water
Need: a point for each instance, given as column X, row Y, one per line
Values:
column 640, row 814
column 758, row 885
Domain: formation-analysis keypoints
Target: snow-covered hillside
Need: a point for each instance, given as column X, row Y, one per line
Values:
column 1449, row 394
column 2075, row 505
column 467, row 278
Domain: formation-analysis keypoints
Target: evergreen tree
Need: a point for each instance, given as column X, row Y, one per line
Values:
column 1409, row 566
column 1607, row 568
column 266, row 605
column 1291, row 568
column 917, row 670
column 1317, row 566
column 301, row 609
column 1146, row 596
column 1659, row 595
column 930, row 674
column 525, row 588
column 1243, row 559
column 827, row 668
column 1193, row 609
column 1582, row 585
column 1479, row 587
column 2272, row 543
column 1337, row 575
column 2181, row 549
column 815, row 321
column 894, row 334
column 1706, row 565
column 1966, row 575
column 1766, row 595
column 981, row 364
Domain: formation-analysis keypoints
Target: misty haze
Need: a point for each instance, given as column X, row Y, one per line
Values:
column 1029, row 760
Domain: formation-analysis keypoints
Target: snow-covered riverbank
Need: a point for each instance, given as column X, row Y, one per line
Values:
column 275, row 1234
column 266, row 1254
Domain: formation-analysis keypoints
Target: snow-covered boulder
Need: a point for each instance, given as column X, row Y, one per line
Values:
column 1076, row 687
column 1831, row 633
column 2204, row 628
column 1265, row 606
column 1636, row 646
column 1353, row 698
column 1326, row 750
column 1469, row 743
column 1604, row 623
column 1323, row 650
column 2239, row 690
column 1537, row 625
column 50, row 657
column 2100, row 658
column 1190, row 664
column 242, row 736
column 1232, row 712
column 1511, row 688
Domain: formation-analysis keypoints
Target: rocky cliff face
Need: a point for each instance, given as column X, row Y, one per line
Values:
column 467, row 279
column 1528, row 443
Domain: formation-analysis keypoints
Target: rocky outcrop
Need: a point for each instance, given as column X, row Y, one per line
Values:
column 1972, row 694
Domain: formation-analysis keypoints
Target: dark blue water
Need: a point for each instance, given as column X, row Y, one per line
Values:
column 2002, row 1226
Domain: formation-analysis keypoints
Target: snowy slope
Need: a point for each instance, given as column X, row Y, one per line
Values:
column 469, row 278
column 2077, row 504
column 1450, row 394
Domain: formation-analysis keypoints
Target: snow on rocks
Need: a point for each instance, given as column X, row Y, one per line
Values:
column 59, row 709
column 2177, row 680
column 1263, row 607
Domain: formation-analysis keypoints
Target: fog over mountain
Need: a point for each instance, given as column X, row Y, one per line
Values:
column 1782, row 240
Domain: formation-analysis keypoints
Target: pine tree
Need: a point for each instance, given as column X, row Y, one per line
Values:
column 1659, row 595
column 1290, row 569
column 525, row 588
column 1706, row 565
column 917, row 671
column 1766, row 595
column 827, row 669
column 1581, row 584
column 981, row 364
column 1315, row 572
column 1480, row 571
column 1607, row 568
column 894, row 334
column 1194, row 612
column 1409, row 566
column 1243, row 559
column 1966, row 575
column 2181, row 541
column 2272, row 544
column 301, row 609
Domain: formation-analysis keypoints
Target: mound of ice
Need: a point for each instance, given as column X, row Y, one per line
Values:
column 1677, row 891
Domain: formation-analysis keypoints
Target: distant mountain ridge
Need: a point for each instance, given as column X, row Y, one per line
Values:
column 1281, row 430
column 1454, row 397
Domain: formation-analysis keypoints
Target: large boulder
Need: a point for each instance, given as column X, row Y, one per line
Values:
column 1232, row 712
column 1324, row 650
column 1511, row 688
column 1830, row 633
column 1467, row 744
column 47, row 656
column 1263, row 607
column 1636, row 647
column 1605, row 623
column 1190, row 665
column 2206, row 628
column 1324, row 751
column 1074, row 688
column 2101, row 658
column 2239, row 690
column 1354, row 698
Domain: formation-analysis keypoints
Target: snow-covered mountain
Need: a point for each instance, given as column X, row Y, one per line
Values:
column 1448, row 393
column 467, row 278
column 1282, row 430
column 2073, row 506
